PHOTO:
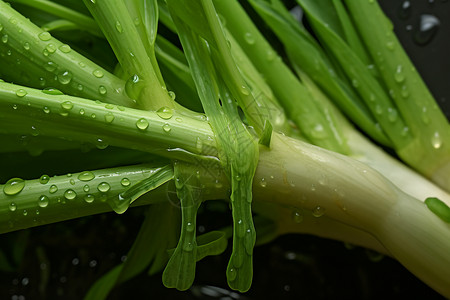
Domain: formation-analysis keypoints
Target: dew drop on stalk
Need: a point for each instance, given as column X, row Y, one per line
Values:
column 26, row 46
column 98, row 73
column 21, row 93
column 70, row 194
column 297, row 216
column 109, row 117
column 318, row 211
column 428, row 26
column 188, row 246
column 390, row 45
column 249, row 38
column 125, row 182
column 43, row 201
column 103, row 187
column 25, row 212
column 51, row 48
column 86, row 188
column 64, row 48
column 13, row 186
column 165, row 113
column 436, row 140
column 65, row 77
column 102, row 90
column 119, row 27
column 82, row 112
column 67, row 105
column 89, row 198
column 166, row 127
column 50, row 66
column 142, row 124
column 12, row 206
column 134, row 86
column 399, row 76
column 172, row 95
column 44, row 36
column 101, row 144
column 44, row 179
column 86, row 176
column 4, row 38
column 270, row 55
column 392, row 114
column 189, row 227
column 53, row 189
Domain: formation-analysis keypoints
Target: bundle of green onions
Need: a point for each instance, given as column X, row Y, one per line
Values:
column 206, row 108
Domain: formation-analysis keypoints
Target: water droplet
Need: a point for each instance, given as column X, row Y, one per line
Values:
column 44, row 36
column 82, row 64
column 217, row 182
column 392, row 114
column 25, row 212
column 26, row 46
column 390, row 45
column 263, row 182
column 82, row 112
column 103, row 187
column 89, row 198
column 13, row 186
column 436, row 140
column 44, row 179
column 64, row 48
column 404, row 11
column 43, row 201
column 231, row 274
column 249, row 38
column 86, row 176
column 270, row 55
column 297, row 216
column 166, row 127
column 125, row 182
column 245, row 91
column 404, row 92
column 119, row 27
column 70, row 194
column 102, row 90
column 172, row 95
column 399, row 76
column 378, row 109
column 67, row 105
column 65, row 77
column 165, row 113
column 50, row 66
column 189, row 227
column 101, row 144
column 142, row 124
column 51, row 48
column 12, row 206
column 188, row 247
column 428, row 26
column 53, row 189
column 21, row 93
column 425, row 117
column 4, row 38
column 318, row 211
column 86, row 188
column 134, row 86
column 98, row 73
column 109, row 117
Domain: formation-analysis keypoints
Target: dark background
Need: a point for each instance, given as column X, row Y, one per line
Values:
column 62, row 260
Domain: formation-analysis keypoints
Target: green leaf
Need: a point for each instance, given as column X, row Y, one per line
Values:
column 439, row 208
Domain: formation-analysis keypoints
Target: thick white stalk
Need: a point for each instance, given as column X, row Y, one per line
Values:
column 304, row 176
